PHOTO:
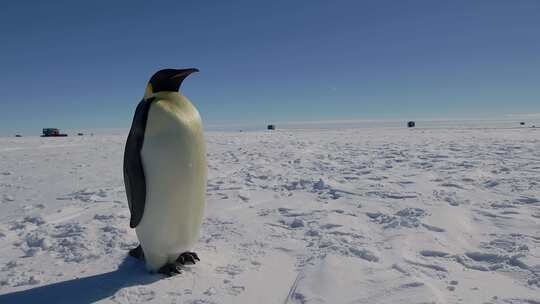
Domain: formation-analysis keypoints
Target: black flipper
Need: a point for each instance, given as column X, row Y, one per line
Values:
column 134, row 179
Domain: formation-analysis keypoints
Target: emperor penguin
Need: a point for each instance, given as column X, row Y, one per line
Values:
column 165, row 173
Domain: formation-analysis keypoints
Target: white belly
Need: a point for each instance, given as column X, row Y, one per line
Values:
column 174, row 162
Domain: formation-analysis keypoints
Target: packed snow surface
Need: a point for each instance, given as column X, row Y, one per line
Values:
column 298, row 216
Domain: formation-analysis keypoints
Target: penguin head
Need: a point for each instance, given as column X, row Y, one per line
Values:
column 167, row 80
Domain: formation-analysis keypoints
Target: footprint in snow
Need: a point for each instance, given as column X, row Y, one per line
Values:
column 230, row 269
column 526, row 200
column 293, row 223
column 86, row 195
column 104, row 217
column 7, row 198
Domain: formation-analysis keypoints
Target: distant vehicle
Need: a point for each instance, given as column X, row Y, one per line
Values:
column 80, row 134
column 18, row 135
column 522, row 123
column 411, row 124
column 52, row 132
column 271, row 127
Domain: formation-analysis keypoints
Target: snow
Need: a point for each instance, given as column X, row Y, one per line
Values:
column 382, row 215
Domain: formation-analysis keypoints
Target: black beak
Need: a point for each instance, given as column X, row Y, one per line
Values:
column 184, row 73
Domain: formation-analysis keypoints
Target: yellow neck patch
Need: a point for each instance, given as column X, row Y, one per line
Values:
column 148, row 91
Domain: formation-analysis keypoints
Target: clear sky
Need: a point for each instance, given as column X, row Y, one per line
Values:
column 84, row 64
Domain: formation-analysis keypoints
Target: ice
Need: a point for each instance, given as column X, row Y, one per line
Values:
column 293, row 216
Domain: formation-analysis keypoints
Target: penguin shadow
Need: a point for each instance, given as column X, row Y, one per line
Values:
column 88, row 289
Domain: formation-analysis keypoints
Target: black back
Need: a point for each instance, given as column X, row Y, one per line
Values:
column 134, row 179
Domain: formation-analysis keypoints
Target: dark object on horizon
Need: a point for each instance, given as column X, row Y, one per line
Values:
column 52, row 132
column 411, row 124
column 18, row 135
column 522, row 123
column 80, row 134
column 271, row 127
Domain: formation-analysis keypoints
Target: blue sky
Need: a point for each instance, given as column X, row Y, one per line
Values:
column 75, row 64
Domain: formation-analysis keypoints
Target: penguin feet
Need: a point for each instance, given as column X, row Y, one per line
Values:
column 171, row 269
column 187, row 257
column 175, row 268
column 137, row 253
